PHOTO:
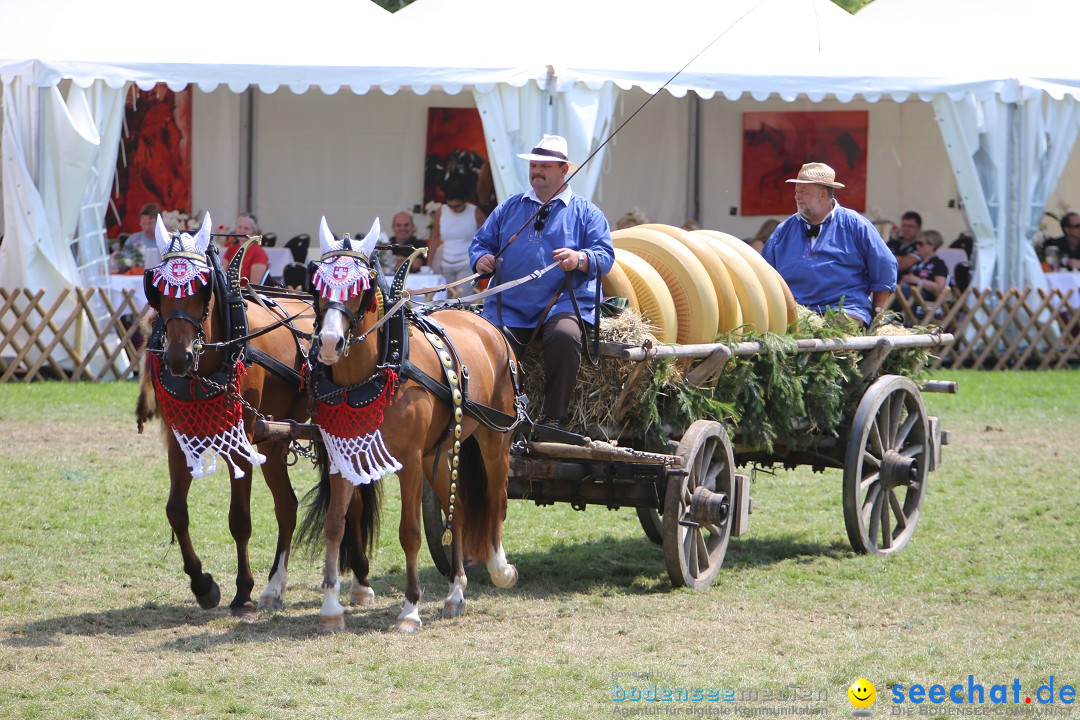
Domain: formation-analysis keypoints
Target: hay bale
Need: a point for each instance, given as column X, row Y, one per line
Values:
column 597, row 387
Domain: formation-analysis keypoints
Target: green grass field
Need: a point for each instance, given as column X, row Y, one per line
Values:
column 96, row 620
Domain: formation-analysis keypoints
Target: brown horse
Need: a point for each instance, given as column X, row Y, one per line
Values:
column 418, row 430
column 187, row 290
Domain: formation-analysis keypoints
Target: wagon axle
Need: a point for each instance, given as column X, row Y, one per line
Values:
column 708, row 507
column 898, row 470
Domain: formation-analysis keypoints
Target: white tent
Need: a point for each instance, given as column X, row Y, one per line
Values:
column 565, row 78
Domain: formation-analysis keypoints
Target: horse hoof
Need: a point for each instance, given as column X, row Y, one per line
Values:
column 407, row 626
column 453, row 609
column 507, row 578
column 246, row 613
column 271, row 602
column 331, row 623
column 211, row 598
column 362, row 595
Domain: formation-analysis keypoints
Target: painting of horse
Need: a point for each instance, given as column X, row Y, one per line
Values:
column 208, row 392
column 418, row 429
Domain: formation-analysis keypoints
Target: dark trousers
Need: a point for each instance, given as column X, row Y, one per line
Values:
column 560, row 341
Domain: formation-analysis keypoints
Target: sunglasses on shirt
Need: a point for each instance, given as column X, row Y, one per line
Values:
column 541, row 218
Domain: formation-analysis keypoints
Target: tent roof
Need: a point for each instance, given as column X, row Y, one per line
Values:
column 789, row 48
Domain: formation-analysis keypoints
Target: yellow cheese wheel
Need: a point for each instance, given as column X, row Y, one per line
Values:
column 755, row 306
column 653, row 298
column 616, row 284
column 686, row 279
column 777, row 306
column 730, row 310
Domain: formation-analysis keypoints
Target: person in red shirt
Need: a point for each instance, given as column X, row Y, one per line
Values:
column 256, row 262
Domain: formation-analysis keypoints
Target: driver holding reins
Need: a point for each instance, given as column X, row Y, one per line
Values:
column 569, row 230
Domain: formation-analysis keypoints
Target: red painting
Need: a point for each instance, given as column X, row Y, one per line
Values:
column 776, row 144
column 154, row 164
column 456, row 153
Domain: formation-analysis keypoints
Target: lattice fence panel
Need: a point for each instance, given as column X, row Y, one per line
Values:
column 73, row 335
column 1000, row 330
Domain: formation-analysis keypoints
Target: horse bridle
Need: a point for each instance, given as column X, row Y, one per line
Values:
column 322, row 305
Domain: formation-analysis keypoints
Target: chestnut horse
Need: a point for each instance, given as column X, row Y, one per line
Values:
column 419, row 430
column 179, row 372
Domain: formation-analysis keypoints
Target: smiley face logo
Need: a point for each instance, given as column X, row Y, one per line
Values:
column 862, row 693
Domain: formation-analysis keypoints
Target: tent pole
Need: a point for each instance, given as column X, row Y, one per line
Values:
column 693, row 160
column 245, row 186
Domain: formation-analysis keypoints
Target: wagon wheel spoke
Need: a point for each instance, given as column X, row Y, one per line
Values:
column 898, row 511
column 870, row 501
column 692, row 561
column 896, row 407
column 886, row 532
column 871, row 460
column 702, row 551
column 875, row 512
column 877, row 447
column 912, row 450
column 905, row 429
column 868, row 481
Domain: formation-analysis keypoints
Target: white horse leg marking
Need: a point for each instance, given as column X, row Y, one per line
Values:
column 409, row 619
column 273, row 595
column 454, row 604
column 333, row 331
column 361, row 594
column 503, row 574
column 332, row 614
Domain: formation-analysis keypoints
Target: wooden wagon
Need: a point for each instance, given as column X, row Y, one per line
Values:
column 692, row 501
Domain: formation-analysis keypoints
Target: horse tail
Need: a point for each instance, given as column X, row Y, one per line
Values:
column 478, row 528
column 357, row 546
column 354, row 545
column 317, row 499
column 146, row 404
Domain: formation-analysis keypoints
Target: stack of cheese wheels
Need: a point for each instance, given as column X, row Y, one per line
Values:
column 693, row 285
column 651, row 296
column 782, row 310
column 697, row 308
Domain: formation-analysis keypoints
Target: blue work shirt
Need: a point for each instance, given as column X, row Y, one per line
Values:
column 848, row 261
column 573, row 223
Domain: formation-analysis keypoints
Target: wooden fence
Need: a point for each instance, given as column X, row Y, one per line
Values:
column 79, row 335
column 76, row 334
column 1000, row 330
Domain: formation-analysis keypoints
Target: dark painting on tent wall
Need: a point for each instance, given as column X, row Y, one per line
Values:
column 154, row 162
column 776, row 144
column 456, row 155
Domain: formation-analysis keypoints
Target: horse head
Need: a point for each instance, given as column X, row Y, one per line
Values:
column 344, row 280
column 180, row 290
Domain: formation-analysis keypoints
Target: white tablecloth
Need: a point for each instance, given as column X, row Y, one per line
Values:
column 1066, row 281
column 279, row 257
column 418, row 280
column 119, row 283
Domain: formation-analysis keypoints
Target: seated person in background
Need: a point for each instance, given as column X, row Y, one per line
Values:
column 931, row 273
column 636, row 216
column 455, row 224
column 403, row 233
column 256, row 261
column 691, row 225
column 294, row 276
column 906, row 248
column 831, row 256
column 145, row 237
column 763, row 234
column 1068, row 245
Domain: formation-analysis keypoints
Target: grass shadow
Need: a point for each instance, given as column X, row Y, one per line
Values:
column 120, row 622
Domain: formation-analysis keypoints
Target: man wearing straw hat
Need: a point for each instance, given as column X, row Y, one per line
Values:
column 527, row 232
column 830, row 256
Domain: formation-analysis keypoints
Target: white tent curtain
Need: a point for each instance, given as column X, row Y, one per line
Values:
column 514, row 118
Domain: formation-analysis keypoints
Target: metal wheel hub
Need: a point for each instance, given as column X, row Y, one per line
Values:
column 899, row 470
column 709, row 508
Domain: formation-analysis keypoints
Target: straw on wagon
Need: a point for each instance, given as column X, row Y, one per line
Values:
column 775, row 398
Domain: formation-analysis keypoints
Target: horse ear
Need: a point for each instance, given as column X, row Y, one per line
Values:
column 161, row 235
column 368, row 245
column 326, row 238
column 202, row 238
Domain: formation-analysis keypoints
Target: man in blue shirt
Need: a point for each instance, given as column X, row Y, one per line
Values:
column 830, row 256
column 569, row 230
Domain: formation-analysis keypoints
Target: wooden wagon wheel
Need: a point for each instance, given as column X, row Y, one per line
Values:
column 886, row 466
column 652, row 523
column 697, row 508
column 434, row 524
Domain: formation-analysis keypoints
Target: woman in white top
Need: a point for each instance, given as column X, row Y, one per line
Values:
column 455, row 224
